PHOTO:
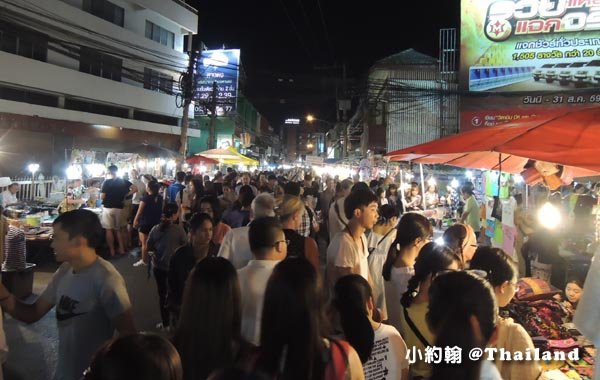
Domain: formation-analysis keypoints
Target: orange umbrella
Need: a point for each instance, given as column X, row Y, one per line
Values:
column 571, row 139
column 198, row 159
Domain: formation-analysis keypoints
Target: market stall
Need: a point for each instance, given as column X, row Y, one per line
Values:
column 552, row 152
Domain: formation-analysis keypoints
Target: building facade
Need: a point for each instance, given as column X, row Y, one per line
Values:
column 410, row 101
column 89, row 74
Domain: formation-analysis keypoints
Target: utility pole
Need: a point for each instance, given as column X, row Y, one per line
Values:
column 188, row 90
column 213, row 117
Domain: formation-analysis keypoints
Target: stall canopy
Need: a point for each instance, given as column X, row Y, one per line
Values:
column 572, row 139
column 199, row 159
column 228, row 156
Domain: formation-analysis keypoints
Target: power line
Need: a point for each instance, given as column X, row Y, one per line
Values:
column 331, row 53
column 296, row 30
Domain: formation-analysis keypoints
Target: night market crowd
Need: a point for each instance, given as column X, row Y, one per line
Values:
column 246, row 294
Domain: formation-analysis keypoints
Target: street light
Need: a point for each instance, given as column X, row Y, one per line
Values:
column 310, row 118
column 309, row 145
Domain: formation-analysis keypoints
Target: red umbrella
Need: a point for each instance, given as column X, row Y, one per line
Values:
column 197, row 160
column 571, row 139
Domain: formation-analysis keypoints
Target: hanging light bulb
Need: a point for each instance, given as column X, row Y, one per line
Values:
column 549, row 216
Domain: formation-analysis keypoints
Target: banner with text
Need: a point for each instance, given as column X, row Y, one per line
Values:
column 218, row 74
column 524, row 58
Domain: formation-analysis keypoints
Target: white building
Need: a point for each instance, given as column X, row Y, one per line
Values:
column 89, row 74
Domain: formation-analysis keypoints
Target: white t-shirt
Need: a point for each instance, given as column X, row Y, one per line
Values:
column 337, row 220
column 253, row 283
column 388, row 357
column 8, row 198
column 236, row 247
column 489, row 371
column 394, row 289
column 508, row 211
column 344, row 252
column 139, row 194
column 379, row 247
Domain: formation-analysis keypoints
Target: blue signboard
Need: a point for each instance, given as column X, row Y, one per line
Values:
column 220, row 67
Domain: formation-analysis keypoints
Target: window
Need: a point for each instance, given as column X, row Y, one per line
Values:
column 154, row 118
column 105, row 10
column 97, row 108
column 32, row 97
column 23, row 42
column 160, row 35
column 157, row 81
column 101, row 65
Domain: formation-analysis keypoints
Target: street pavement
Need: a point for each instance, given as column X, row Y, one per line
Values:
column 33, row 348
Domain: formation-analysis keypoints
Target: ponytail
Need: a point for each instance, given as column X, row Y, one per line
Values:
column 411, row 291
column 168, row 212
column 410, row 227
column 351, row 294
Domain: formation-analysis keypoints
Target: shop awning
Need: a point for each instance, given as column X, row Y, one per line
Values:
column 572, row 139
column 228, row 156
column 199, row 159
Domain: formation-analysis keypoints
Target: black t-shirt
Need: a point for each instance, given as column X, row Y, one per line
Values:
column 115, row 190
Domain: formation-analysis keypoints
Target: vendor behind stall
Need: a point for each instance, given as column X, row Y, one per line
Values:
column 9, row 196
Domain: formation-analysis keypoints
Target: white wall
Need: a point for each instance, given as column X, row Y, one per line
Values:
column 173, row 11
column 8, row 106
column 25, row 72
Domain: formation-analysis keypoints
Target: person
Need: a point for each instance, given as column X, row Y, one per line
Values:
column 306, row 220
column 269, row 246
column 293, row 335
column 163, row 240
column 290, row 214
column 228, row 197
column 501, row 273
column 433, row 258
column 73, row 199
column 89, row 293
column 176, row 188
column 93, row 192
column 337, row 220
column 15, row 250
column 432, row 197
column 236, row 244
column 138, row 189
column 245, row 180
column 348, row 250
column 462, row 239
column 195, row 195
column 208, row 335
column 379, row 346
column 199, row 247
column 381, row 198
column 9, row 196
column 325, row 199
column 239, row 214
column 392, row 196
column 147, row 217
column 414, row 199
column 210, row 205
column 112, row 194
column 413, row 232
column 379, row 242
column 470, row 213
column 463, row 313
column 572, row 294
column 137, row 356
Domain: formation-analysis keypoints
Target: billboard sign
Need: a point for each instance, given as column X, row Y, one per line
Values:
column 218, row 74
column 527, row 58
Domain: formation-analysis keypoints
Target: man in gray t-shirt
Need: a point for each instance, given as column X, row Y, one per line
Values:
column 89, row 294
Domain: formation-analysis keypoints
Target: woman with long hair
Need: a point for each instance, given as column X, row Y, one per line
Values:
column 208, row 335
column 379, row 346
column 461, row 239
column 294, row 343
column 463, row 313
column 195, row 195
column 379, row 242
column 148, row 216
column 290, row 215
column 501, row 273
column 137, row 356
column 470, row 215
column 210, row 205
column 413, row 232
column 433, row 258
column 414, row 198
column 163, row 240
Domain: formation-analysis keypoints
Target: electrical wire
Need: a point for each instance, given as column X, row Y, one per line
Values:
column 296, row 30
column 330, row 49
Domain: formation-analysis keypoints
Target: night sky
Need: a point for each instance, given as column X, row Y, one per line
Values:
column 292, row 53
